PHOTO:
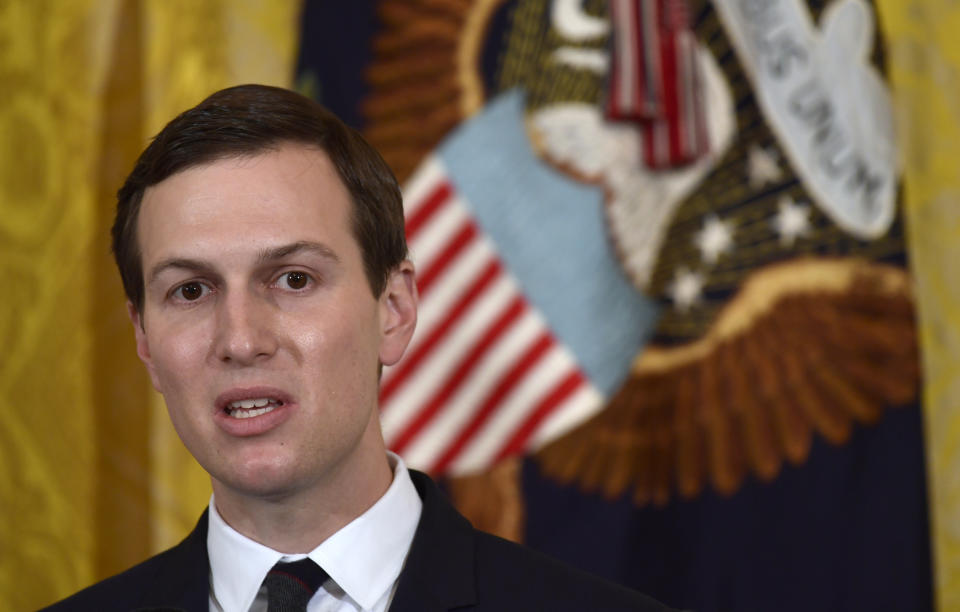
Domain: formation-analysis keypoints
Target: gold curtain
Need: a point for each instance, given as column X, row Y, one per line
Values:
column 924, row 60
column 92, row 477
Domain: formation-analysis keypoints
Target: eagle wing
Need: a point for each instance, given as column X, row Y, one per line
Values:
column 423, row 78
column 808, row 346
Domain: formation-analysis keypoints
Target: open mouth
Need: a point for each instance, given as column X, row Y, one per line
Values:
column 248, row 408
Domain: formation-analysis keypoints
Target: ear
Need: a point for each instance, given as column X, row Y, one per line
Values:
column 143, row 347
column 398, row 313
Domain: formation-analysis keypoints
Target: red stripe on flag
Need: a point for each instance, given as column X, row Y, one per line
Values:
column 409, row 364
column 434, row 201
column 522, row 434
column 671, row 95
column 493, row 400
column 678, row 15
column 450, row 251
column 460, row 373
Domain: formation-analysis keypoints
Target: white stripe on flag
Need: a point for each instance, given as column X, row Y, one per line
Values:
column 653, row 67
column 424, row 181
column 583, row 404
column 463, row 405
column 434, row 236
column 625, row 47
column 449, row 287
column 417, row 391
column 550, row 370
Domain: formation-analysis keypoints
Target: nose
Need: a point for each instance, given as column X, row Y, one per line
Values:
column 245, row 331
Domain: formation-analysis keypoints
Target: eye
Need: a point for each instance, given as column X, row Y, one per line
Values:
column 191, row 291
column 294, row 280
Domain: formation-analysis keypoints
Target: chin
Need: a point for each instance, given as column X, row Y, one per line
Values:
column 265, row 479
column 261, row 487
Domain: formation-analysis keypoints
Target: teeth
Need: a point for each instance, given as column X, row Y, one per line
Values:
column 247, row 404
column 246, row 414
column 246, row 408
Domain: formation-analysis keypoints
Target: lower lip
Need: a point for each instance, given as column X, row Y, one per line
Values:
column 253, row 426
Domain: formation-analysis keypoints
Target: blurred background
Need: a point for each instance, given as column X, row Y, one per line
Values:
column 688, row 314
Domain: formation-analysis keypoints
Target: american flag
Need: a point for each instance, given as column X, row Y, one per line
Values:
column 484, row 377
column 655, row 81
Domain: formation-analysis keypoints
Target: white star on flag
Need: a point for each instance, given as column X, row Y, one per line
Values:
column 792, row 222
column 715, row 238
column 685, row 288
column 762, row 167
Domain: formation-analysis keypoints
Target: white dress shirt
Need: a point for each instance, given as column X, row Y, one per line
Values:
column 363, row 559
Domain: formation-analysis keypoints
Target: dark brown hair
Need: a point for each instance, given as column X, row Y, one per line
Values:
column 249, row 119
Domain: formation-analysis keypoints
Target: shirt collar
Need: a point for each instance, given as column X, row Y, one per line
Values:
column 238, row 565
column 364, row 557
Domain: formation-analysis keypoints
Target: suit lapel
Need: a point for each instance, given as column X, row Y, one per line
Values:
column 438, row 574
column 182, row 581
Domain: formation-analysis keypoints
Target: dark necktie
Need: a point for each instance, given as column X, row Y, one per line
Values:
column 291, row 585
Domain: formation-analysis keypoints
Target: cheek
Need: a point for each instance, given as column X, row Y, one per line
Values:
column 342, row 353
column 177, row 356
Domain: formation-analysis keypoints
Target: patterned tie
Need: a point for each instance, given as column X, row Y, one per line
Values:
column 291, row 585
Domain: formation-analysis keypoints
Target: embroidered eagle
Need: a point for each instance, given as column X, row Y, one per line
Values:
column 784, row 315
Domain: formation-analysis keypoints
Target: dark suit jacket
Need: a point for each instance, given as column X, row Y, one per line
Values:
column 451, row 566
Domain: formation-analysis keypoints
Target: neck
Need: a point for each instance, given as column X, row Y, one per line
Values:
column 297, row 522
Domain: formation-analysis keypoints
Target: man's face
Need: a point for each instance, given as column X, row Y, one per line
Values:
column 259, row 326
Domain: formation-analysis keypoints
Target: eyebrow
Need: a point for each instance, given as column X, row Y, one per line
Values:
column 268, row 255
column 264, row 256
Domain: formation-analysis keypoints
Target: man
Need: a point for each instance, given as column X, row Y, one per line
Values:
column 262, row 250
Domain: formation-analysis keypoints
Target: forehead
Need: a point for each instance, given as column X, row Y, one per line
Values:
column 277, row 196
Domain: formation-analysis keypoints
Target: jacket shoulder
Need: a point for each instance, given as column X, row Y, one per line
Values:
column 176, row 579
column 451, row 565
column 510, row 576
column 123, row 591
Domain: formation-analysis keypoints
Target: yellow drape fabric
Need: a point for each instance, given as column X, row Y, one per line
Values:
column 92, row 477
column 52, row 68
column 924, row 61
